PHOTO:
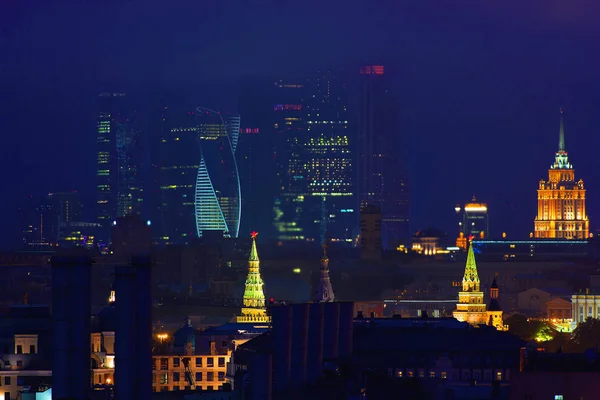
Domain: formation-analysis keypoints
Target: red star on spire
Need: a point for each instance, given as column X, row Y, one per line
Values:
column 254, row 234
column 470, row 238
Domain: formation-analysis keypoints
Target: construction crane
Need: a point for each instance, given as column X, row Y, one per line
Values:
column 188, row 372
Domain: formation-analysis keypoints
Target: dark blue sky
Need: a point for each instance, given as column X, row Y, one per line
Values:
column 479, row 83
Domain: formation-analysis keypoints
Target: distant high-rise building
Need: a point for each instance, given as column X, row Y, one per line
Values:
column 198, row 177
column 370, row 232
column 67, row 205
column 57, row 219
column 177, row 164
column 118, row 160
column 40, row 222
column 561, row 200
column 256, row 154
column 217, row 189
column 317, row 194
column 472, row 221
column 381, row 177
column 289, row 126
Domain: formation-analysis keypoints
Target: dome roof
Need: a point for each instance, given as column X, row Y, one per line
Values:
column 184, row 335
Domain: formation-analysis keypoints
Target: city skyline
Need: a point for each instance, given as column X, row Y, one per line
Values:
column 466, row 103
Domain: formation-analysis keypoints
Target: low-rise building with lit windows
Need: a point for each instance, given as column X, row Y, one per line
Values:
column 25, row 350
column 189, row 359
column 449, row 359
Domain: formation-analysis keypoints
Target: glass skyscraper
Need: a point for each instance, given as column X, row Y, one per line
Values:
column 316, row 200
column 217, row 194
column 119, row 188
column 198, row 178
column 381, row 178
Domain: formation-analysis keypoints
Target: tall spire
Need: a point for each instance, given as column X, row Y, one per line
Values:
column 253, row 251
column 324, row 293
column 471, row 278
column 561, row 134
column 253, row 309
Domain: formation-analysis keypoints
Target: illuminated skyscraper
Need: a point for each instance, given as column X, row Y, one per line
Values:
column 561, row 200
column 217, row 194
column 381, row 177
column 289, row 128
column 198, row 176
column 118, row 160
column 177, row 170
column 472, row 221
column 317, row 194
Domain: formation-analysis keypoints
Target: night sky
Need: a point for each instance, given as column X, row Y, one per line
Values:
column 479, row 84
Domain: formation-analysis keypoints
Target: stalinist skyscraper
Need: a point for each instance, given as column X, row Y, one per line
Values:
column 561, row 200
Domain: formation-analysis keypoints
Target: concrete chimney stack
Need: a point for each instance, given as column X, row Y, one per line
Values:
column 71, row 285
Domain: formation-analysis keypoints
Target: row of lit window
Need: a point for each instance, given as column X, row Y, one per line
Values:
column 178, row 377
column 176, row 362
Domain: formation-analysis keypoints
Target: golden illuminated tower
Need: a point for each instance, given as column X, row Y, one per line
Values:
column 470, row 307
column 254, row 297
column 561, row 200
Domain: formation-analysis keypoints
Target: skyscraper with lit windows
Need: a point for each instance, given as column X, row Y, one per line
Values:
column 217, row 189
column 317, row 195
column 381, row 177
column 561, row 200
column 198, row 178
column 119, row 185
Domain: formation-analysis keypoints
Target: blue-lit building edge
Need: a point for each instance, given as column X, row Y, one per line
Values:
column 531, row 248
column 229, row 227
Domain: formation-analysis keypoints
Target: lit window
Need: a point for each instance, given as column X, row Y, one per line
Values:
column 444, row 375
column 558, row 397
column 432, row 374
column 399, row 373
column 498, row 376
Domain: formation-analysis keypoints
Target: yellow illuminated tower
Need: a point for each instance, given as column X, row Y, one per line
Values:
column 254, row 309
column 470, row 307
column 561, row 200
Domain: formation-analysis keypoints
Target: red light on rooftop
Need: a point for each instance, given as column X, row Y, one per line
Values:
column 254, row 234
column 372, row 70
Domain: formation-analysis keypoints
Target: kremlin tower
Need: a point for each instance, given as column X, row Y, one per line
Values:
column 471, row 308
column 561, row 200
column 324, row 293
column 254, row 309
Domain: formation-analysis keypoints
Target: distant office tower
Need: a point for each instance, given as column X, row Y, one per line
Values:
column 67, row 205
column 217, row 194
column 57, row 219
column 561, row 200
column 177, row 167
column 198, row 177
column 370, row 232
column 118, row 160
column 472, row 221
column 289, row 126
column 39, row 222
column 255, row 154
column 317, row 194
column 381, row 176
